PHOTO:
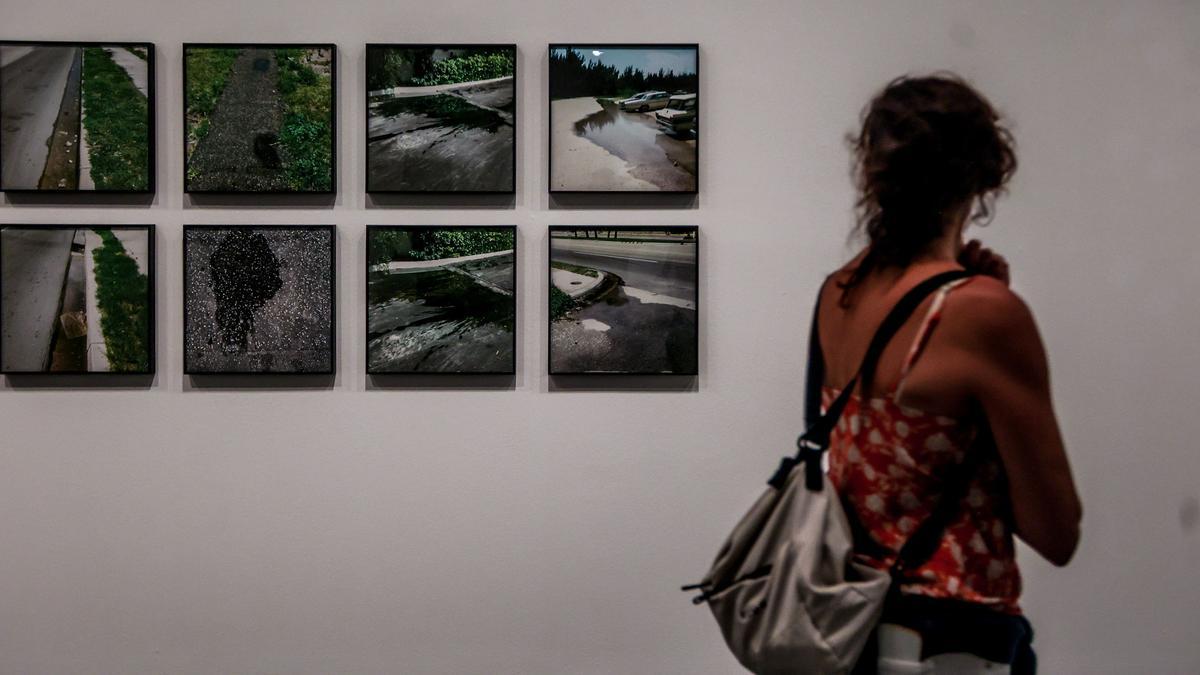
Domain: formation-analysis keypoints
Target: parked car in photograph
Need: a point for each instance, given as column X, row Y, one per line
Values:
column 646, row 101
column 680, row 114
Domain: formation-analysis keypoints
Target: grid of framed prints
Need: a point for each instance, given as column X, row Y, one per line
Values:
column 623, row 300
column 258, row 299
column 624, row 118
column 77, row 299
column 76, row 117
column 441, row 118
column 259, row 118
column 441, row 299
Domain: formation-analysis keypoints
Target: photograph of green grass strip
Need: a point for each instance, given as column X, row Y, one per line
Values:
column 122, row 294
column 117, row 123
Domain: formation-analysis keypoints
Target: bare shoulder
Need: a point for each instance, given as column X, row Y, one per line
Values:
column 987, row 319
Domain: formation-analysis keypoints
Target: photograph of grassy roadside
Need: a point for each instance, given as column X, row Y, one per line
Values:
column 623, row 300
column 259, row 118
column 258, row 299
column 624, row 118
column 441, row 299
column 441, row 118
column 76, row 117
column 76, row 300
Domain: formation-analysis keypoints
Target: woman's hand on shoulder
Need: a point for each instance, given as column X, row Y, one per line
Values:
column 977, row 258
column 1009, row 377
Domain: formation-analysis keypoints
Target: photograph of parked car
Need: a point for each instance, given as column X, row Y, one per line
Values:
column 259, row 118
column 258, row 299
column 76, row 117
column 441, row 118
column 77, row 300
column 441, row 299
column 615, row 118
column 623, row 300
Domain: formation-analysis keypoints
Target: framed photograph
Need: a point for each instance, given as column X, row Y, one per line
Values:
column 623, row 300
column 624, row 118
column 441, row 118
column 77, row 117
column 260, row 118
column 441, row 299
column 259, row 299
column 77, row 299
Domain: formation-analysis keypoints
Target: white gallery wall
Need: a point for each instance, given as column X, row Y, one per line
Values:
column 540, row 527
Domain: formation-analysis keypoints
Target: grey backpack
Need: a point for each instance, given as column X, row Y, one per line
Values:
column 785, row 588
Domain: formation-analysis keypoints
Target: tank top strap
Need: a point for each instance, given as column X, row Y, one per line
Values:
column 928, row 323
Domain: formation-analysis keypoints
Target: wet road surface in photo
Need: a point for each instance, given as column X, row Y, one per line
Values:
column 31, row 95
column 34, row 266
column 457, row 318
column 456, row 139
column 241, row 151
column 646, row 325
column 656, row 157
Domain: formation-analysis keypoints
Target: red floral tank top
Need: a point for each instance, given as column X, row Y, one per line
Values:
column 886, row 459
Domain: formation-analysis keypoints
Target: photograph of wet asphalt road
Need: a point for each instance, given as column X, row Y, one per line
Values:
column 623, row 118
column 623, row 300
column 76, row 299
column 441, row 300
column 76, row 117
column 441, row 119
column 258, row 299
column 259, row 118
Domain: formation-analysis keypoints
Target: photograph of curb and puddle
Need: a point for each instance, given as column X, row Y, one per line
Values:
column 441, row 299
column 623, row 300
column 77, row 300
column 258, row 299
column 624, row 118
column 441, row 118
column 259, row 118
column 76, row 117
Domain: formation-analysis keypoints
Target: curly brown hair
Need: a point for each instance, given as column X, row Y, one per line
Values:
column 928, row 147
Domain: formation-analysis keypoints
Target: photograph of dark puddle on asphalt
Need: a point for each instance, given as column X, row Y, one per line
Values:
column 440, row 120
column 623, row 119
column 441, row 300
column 258, row 119
column 258, row 299
column 75, row 117
column 76, row 300
column 623, row 300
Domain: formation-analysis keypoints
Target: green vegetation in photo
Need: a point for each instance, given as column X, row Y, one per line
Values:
column 568, row 267
column 140, row 52
column 208, row 70
column 399, row 67
column 468, row 68
column 117, row 122
column 436, row 244
column 307, row 130
column 122, row 294
column 560, row 303
column 571, row 75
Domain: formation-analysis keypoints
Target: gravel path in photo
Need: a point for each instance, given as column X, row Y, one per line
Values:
column 241, row 151
column 31, row 90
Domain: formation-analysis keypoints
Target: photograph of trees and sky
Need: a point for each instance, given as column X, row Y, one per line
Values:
column 259, row 118
column 623, row 300
column 258, row 299
column 623, row 118
column 76, row 299
column 441, row 299
column 441, row 119
column 76, row 117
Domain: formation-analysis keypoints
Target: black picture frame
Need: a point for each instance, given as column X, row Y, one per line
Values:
column 333, row 111
column 694, row 280
column 367, row 116
column 151, row 95
column 550, row 116
column 511, row 370
column 189, row 370
column 151, row 338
